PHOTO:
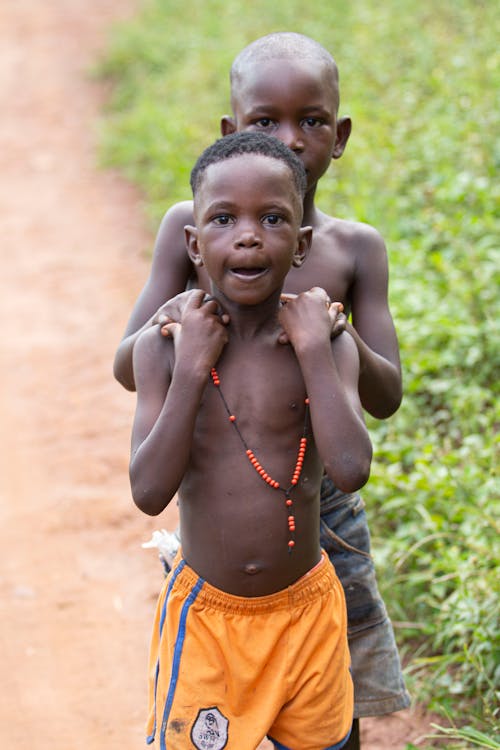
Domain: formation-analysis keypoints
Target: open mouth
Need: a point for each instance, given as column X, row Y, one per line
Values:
column 248, row 273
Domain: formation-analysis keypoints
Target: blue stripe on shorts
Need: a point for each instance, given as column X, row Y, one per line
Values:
column 150, row 739
column 179, row 643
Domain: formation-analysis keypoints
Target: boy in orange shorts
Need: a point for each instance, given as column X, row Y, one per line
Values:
column 287, row 85
column 250, row 641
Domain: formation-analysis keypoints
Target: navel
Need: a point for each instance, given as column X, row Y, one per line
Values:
column 252, row 569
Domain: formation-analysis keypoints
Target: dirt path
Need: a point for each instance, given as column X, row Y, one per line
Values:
column 76, row 590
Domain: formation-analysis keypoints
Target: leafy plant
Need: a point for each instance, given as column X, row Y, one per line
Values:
column 472, row 737
column 419, row 80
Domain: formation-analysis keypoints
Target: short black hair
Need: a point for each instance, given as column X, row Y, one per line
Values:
column 238, row 144
column 282, row 45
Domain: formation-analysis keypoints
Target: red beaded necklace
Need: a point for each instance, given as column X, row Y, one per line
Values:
column 261, row 471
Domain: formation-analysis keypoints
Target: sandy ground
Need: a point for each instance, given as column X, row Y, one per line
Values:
column 76, row 590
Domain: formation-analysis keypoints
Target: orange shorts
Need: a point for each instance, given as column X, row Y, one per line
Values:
column 226, row 671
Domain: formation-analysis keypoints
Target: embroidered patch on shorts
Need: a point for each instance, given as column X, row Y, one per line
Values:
column 209, row 731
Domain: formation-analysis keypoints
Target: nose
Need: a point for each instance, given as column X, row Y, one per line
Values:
column 291, row 135
column 248, row 237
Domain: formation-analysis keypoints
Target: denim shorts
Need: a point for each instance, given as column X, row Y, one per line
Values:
column 378, row 681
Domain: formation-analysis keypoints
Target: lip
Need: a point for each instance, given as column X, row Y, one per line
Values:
column 248, row 275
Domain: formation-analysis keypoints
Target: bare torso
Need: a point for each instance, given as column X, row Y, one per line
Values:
column 234, row 525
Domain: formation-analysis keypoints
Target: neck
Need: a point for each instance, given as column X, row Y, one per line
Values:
column 310, row 211
column 248, row 321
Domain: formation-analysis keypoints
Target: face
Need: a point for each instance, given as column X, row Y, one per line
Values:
column 296, row 102
column 248, row 214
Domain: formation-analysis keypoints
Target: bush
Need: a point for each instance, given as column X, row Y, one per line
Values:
column 419, row 80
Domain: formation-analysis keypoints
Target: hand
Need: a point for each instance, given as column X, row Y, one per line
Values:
column 171, row 312
column 200, row 334
column 338, row 320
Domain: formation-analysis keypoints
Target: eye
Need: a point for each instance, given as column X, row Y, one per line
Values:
column 312, row 122
column 265, row 123
column 222, row 220
column 272, row 219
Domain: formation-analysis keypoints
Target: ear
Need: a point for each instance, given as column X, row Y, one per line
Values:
column 344, row 126
column 303, row 246
column 191, row 235
column 227, row 125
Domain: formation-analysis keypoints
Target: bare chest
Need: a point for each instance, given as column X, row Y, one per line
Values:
column 329, row 266
column 253, row 402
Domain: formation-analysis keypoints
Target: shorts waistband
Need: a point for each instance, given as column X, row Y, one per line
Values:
column 309, row 587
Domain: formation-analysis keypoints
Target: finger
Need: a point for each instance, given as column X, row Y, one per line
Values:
column 338, row 322
column 211, row 305
column 169, row 330
column 283, row 338
column 195, row 299
column 334, row 313
column 318, row 291
column 284, row 298
column 214, row 307
column 338, row 306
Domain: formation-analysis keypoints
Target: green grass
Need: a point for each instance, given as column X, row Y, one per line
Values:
column 421, row 81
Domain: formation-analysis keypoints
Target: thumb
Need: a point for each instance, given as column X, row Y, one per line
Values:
column 170, row 330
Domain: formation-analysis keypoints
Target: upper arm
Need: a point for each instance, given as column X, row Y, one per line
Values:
column 371, row 316
column 345, row 354
column 171, row 268
column 152, row 359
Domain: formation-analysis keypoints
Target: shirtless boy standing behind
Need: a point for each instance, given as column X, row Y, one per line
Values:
column 286, row 85
column 250, row 641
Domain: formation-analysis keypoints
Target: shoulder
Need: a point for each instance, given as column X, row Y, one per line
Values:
column 151, row 340
column 356, row 234
column 152, row 351
column 170, row 241
column 174, row 220
column 180, row 212
column 365, row 248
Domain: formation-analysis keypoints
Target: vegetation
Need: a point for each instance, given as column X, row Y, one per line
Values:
column 420, row 81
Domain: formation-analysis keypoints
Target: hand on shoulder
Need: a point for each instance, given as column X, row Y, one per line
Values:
column 338, row 320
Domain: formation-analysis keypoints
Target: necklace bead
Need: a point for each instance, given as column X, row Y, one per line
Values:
column 260, row 470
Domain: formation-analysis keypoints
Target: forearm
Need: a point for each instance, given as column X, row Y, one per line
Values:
column 123, row 368
column 380, row 382
column 340, row 434
column 160, row 461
